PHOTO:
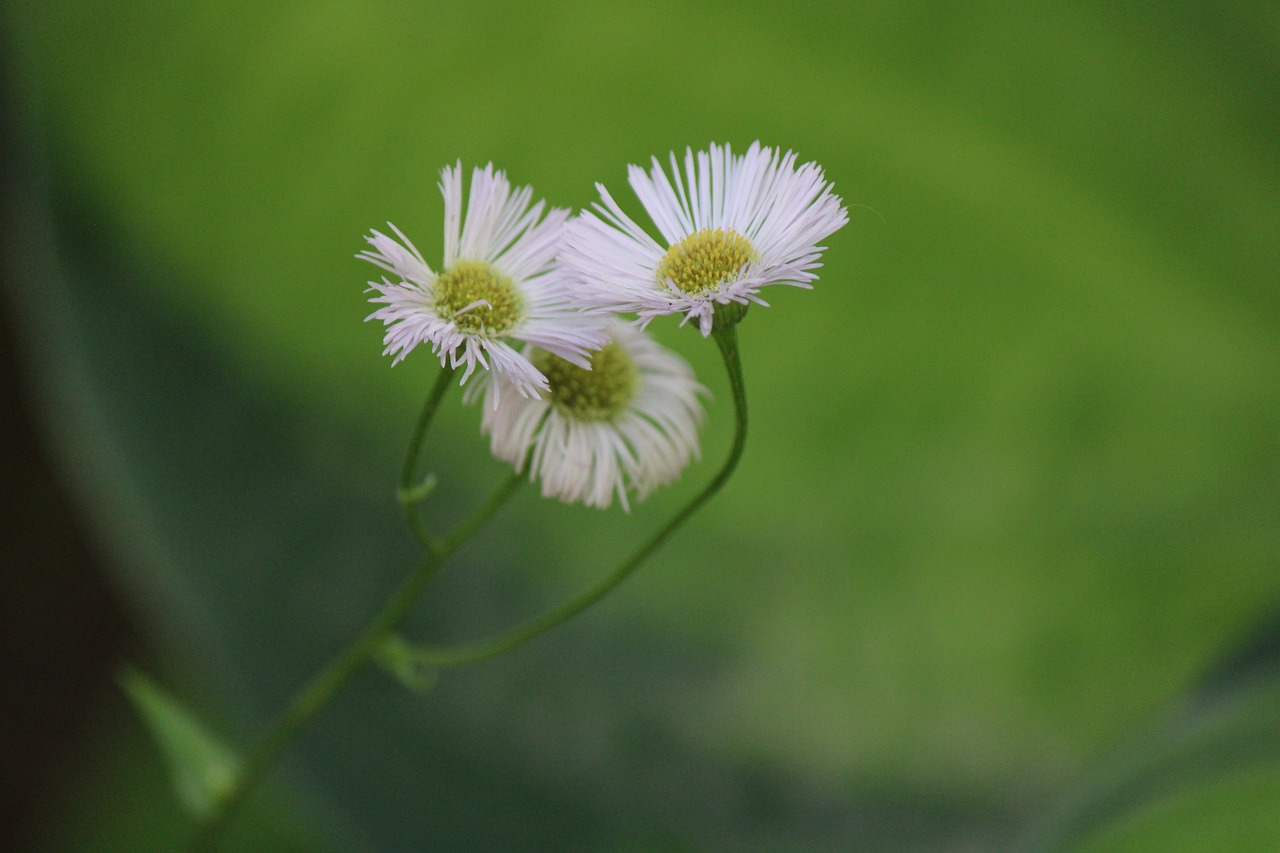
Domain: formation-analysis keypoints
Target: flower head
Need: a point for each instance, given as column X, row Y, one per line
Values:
column 730, row 226
column 497, row 283
column 630, row 423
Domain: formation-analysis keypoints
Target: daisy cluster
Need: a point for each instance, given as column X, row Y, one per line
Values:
column 589, row 404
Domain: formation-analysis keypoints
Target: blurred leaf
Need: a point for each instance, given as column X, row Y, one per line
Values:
column 1238, row 812
column 419, row 493
column 401, row 659
column 201, row 766
column 117, row 799
column 1226, row 731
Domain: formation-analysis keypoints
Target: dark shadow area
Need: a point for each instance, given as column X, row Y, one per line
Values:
column 62, row 628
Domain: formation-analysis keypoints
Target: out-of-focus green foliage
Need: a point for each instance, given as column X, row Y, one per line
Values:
column 203, row 768
column 118, row 799
column 1011, row 480
column 1237, row 813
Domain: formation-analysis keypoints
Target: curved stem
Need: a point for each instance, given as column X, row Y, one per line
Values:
column 329, row 680
column 429, row 656
column 410, row 492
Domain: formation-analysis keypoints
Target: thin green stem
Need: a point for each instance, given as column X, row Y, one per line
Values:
column 429, row 656
column 317, row 693
column 411, row 492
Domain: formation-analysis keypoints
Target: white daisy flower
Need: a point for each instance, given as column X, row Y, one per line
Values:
column 497, row 283
column 629, row 424
column 730, row 226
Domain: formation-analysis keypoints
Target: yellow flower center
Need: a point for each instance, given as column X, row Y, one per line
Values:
column 704, row 260
column 600, row 393
column 468, row 282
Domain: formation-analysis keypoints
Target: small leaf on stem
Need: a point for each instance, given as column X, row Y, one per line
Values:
column 404, row 662
column 419, row 493
column 201, row 766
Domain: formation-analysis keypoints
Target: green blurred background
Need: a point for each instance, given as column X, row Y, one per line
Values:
column 999, row 564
